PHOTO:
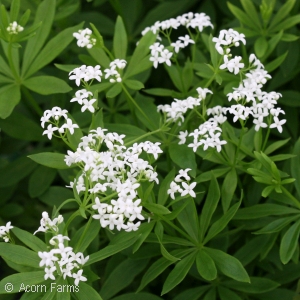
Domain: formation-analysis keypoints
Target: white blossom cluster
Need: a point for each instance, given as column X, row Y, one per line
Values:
column 84, row 98
column 85, row 73
column 84, row 38
column 60, row 260
column 193, row 20
column 14, row 28
column 185, row 188
column 159, row 54
column 178, row 108
column 113, row 71
column 261, row 105
column 207, row 135
column 59, row 118
column 4, row 232
column 112, row 177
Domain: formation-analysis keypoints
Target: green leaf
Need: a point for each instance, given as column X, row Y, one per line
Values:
column 188, row 218
column 40, row 180
column 9, row 97
column 282, row 13
column 46, row 85
column 52, row 49
column 228, row 188
column 184, row 157
column 85, row 235
column 193, row 293
column 164, row 186
column 295, row 163
column 276, row 145
column 15, row 171
column 114, row 91
column 84, row 290
column 45, row 14
column 178, row 273
column 120, row 39
column 20, row 281
column 100, row 56
column 124, row 274
column 272, row 44
column 19, row 255
column 276, row 62
column 154, row 271
column 206, row 266
column 134, row 84
column 29, row 239
column 112, row 249
column 14, row 10
column 139, row 296
column 242, row 17
column 159, row 92
column 213, row 53
column 263, row 210
column 156, row 208
column 226, row 294
column 220, row 224
column 50, row 159
column 289, row 243
column 228, row 265
column 258, row 285
column 209, row 207
column 175, row 76
column 19, row 126
column 251, row 12
column 261, row 46
column 140, row 53
column 97, row 34
column 287, row 23
column 277, row 225
column 207, row 176
column 144, row 231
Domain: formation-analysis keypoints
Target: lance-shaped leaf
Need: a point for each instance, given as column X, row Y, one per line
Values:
column 209, row 207
column 206, row 266
column 49, row 159
column 120, row 40
column 289, row 243
column 178, row 273
column 46, row 85
column 228, row 265
column 9, row 97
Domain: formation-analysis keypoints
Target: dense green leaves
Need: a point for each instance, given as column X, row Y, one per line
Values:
column 49, row 159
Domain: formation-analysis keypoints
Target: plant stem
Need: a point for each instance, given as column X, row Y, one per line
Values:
column 72, row 217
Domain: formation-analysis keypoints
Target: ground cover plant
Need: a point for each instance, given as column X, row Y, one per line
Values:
column 149, row 151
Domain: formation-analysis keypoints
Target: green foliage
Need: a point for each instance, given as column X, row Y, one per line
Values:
column 210, row 221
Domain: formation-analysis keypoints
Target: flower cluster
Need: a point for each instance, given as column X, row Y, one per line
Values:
column 4, row 232
column 112, row 177
column 60, row 259
column 252, row 101
column 59, row 118
column 178, row 108
column 14, row 28
column 193, row 20
column 84, row 38
column 185, row 188
column 113, row 71
column 159, row 54
column 85, row 73
column 84, row 98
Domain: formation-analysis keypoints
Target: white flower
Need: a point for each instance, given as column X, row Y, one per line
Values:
column 186, row 40
column 165, row 57
column 188, row 189
column 259, row 123
column 78, row 277
column 14, row 28
column 70, row 126
column 277, row 124
column 88, row 105
column 49, row 273
column 50, row 131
